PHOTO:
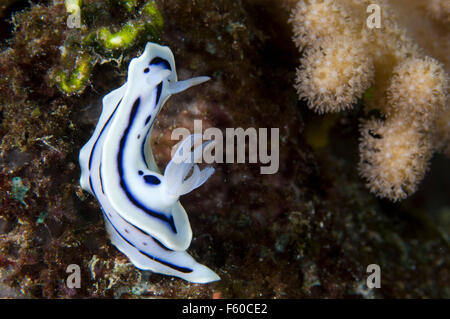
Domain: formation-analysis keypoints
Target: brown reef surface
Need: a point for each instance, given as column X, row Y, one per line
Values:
column 308, row 231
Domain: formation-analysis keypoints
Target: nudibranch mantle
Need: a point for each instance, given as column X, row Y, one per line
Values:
column 141, row 208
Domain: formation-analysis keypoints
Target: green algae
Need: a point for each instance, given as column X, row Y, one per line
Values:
column 121, row 39
column 104, row 42
column 150, row 9
column 130, row 5
column 73, row 5
column 76, row 80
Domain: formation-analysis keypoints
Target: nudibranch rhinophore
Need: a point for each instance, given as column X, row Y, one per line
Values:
column 141, row 208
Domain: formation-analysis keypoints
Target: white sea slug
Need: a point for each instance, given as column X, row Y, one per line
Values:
column 142, row 213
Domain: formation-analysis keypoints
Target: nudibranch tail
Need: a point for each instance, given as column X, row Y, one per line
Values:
column 147, row 253
column 144, row 220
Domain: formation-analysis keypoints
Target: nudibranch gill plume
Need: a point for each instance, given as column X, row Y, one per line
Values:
column 141, row 208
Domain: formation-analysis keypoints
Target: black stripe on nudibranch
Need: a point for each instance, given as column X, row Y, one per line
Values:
column 162, row 61
column 143, row 146
column 90, row 184
column 165, row 263
column 101, row 132
column 100, row 175
column 158, row 96
column 160, row 244
column 158, row 93
column 156, row 240
column 95, row 144
column 120, row 169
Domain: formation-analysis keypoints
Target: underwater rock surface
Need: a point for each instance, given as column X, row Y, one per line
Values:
column 308, row 231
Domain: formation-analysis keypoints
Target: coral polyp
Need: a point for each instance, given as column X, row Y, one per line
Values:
column 417, row 91
column 333, row 75
column 346, row 61
column 394, row 157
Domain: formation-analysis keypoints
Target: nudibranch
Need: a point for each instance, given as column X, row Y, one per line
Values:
column 141, row 208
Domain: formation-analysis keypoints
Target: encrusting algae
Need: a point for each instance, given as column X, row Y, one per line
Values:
column 346, row 61
column 92, row 43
